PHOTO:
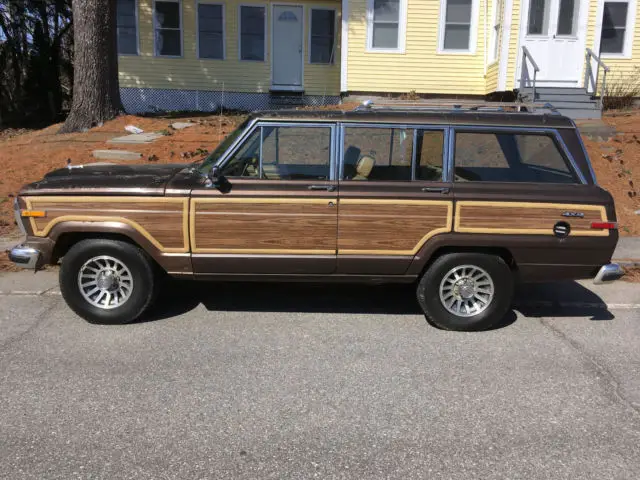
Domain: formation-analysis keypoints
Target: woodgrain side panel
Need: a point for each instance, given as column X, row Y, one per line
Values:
column 390, row 227
column 264, row 226
column 526, row 218
column 163, row 221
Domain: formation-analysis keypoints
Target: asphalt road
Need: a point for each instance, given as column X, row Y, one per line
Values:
column 301, row 381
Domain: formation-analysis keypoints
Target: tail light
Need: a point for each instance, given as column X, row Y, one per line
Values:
column 604, row 225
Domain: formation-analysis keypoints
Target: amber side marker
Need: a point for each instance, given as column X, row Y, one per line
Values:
column 33, row 213
column 605, row 225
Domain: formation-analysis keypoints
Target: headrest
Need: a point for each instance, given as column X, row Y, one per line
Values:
column 365, row 165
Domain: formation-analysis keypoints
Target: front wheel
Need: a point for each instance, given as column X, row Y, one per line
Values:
column 466, row 291
column 107, row 281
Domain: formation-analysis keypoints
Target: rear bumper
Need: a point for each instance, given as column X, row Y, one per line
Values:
column 608, row 273
column 25, row 256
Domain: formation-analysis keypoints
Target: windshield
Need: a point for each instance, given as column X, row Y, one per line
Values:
column 214, row 156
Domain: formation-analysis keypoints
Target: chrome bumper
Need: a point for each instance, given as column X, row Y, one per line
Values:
column 25, row 257
column 608, row 273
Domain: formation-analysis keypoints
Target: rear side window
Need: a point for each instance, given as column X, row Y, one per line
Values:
column 387, row 154
column 510, row 157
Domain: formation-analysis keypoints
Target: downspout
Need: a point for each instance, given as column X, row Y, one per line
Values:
column 486, row 53
column 344, row 47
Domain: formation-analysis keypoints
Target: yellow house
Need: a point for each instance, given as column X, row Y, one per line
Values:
column 200, row 54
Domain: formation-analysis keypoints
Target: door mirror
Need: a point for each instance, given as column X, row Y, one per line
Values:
column 217, row 180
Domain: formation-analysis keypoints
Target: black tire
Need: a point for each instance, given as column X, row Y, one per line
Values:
column 437, row 314
column 142, row 272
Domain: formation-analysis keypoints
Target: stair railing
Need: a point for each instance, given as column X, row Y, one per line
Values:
column 591, row 80
column 524, row 72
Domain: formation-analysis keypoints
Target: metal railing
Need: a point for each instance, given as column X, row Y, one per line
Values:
column 591, row 80
column 524, row 72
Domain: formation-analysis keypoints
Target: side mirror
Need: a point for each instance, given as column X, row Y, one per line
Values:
column 213, row 177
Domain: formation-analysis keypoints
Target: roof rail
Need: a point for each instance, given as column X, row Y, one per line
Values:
column 470, row 107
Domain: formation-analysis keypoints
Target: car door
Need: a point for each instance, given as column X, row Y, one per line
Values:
column 394, row 195
column 275, row 211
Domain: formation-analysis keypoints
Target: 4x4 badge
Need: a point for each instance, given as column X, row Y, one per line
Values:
column 573, row 214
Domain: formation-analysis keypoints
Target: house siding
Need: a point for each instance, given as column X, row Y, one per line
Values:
column 514, row 44
column 189, row 73
column 420, row 68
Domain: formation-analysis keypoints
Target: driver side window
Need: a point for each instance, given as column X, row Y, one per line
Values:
column 287, row 152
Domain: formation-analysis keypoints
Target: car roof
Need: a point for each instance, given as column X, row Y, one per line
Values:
column 418, row 117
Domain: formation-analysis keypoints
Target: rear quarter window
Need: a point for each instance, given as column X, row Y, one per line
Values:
column 510, row 157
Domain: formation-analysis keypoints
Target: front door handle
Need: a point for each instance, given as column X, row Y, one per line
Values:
column 328, row 188
column 443, row 190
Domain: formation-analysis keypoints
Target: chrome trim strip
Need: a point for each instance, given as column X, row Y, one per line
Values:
column 21, row 252
column 586, row 155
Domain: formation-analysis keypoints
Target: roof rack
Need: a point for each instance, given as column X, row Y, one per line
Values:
column 469, row 107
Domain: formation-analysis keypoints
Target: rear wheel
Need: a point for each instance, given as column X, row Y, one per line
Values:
column 107, row 281
column 466, row 291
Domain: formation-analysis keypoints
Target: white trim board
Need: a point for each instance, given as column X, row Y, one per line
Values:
column 344, row 50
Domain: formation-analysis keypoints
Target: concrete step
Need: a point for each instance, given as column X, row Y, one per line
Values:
column 562, row 97
column 555, row 90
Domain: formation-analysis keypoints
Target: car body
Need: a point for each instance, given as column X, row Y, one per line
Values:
column 378, row 195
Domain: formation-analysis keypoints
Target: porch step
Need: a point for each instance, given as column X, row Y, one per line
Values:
column 571, row 101
column 286, row 99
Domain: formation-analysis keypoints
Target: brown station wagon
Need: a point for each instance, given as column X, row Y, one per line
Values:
column 462, row 203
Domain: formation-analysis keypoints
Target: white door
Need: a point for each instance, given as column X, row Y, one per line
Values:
column 286, row 55
column 554, row 32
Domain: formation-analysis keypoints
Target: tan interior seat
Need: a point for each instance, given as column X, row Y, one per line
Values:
column 364, row 167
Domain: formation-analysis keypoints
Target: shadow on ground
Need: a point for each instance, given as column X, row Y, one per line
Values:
column 565, row 299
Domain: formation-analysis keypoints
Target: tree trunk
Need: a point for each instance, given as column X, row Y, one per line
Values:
column 96, row 92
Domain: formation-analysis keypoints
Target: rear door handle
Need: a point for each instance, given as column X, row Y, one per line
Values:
column 328, row 188
column 443, row 190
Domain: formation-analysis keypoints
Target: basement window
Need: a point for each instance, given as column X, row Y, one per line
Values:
column 167, row 22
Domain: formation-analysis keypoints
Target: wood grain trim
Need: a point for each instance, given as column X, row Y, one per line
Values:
column 528, row 231
column 447, row 228
column 253, row 200
column 99, row 218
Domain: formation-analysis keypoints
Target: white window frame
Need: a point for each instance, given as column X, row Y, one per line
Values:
column 266, row 19
column 136, row 6
column 402, row 29
column 155, row 46
column 224, row 29
column 335, row 36
column 473, row 30
column 494, row 46
column 628, row 33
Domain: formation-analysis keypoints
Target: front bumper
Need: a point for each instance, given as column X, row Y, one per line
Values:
column 608, row 273
column 25, row 256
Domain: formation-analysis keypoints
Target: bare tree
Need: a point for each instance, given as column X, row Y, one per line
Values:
column 96, row 92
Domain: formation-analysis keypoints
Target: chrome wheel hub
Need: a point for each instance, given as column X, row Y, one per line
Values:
column 105, row 282
column 466, row 290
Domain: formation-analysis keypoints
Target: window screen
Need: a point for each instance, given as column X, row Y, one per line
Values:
column 252, row 33
column 510, row 157
column 210, row 31
column 167, row 29
column 377, row 154
column 127, row 28
column 386, row 24
column 323, row 23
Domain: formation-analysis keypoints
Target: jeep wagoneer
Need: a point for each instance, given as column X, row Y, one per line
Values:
column 461, row 203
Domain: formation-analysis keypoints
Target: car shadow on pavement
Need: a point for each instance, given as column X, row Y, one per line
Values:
column 535, row 300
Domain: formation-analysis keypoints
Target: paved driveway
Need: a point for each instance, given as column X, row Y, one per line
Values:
column 300, row 381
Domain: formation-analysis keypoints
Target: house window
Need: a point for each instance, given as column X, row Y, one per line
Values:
column 538, row 17
column 252, row 33
column 567, row 17
column 127, row 27
column 495, row 31
column 168, row 28
column 321, row 45
column 386, row 20
column 614, row 27
column 210, row 31
column 458, row 16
